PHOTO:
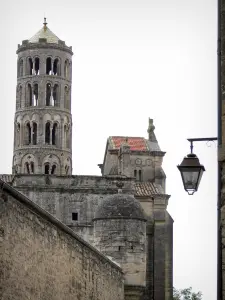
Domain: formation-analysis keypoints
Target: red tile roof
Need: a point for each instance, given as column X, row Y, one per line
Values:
column 135, row 143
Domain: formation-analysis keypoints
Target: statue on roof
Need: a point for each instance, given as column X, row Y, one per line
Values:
column 151, row 128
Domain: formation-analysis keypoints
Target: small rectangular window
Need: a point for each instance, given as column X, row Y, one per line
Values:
column 74, row 216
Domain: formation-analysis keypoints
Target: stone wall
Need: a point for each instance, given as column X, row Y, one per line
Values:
column 42, row 259
column 63, row 195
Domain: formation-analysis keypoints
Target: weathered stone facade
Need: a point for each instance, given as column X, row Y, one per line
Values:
column 43, row 259
column 136, row 232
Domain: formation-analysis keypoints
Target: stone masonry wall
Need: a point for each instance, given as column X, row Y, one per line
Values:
column 42, row 259
column 63, row 195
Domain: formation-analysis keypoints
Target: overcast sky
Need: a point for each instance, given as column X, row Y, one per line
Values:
column 134, row 60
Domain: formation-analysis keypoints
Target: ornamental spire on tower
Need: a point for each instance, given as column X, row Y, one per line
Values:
column 45, row 23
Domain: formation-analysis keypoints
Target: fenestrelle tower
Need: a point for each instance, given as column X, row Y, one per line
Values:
column 43, row 120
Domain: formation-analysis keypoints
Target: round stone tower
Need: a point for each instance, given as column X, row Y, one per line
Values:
column 43, row 121
column 120, row 233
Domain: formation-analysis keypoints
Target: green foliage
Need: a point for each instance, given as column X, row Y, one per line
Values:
column 186, row 294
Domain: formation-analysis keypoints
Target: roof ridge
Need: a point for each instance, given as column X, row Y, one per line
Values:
column 125, row 136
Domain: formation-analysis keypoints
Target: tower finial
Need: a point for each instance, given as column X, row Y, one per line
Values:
column 45, row 23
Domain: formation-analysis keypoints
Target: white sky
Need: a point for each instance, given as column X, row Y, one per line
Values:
column 134, row 60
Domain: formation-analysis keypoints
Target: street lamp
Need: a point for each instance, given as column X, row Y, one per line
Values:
column 191, row 173
column 191, row 170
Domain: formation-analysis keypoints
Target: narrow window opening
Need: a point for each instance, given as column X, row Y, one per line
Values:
column 30, row 66
column 32, row 167
column 56, row 67
column 27, row 168
column 54, row 134
column 36, row 66
column 49, row 66
column 53, row 169
column 29, row 95
column 34, row 133
column 28, row 134
column 47, row 133
column 47, row 169
column 48, row 94
column 35, row 94
column 56, row 95
column 135, row 174
column 119, row 248
column 140, row 175
column 75, row 216
column 132, row 247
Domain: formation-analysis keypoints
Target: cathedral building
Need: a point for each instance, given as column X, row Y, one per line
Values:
column 66, row 236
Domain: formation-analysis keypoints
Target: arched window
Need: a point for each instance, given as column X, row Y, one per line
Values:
column 47, row 133
column 49, row 66
column 53, row 169
column 56, row 67
column 29, row 100
column 35, row 92
column 66, row 69
column 54, row 134
column 27, row 134
column 36, row 66
column 34, row 133
column 30, row 66
column 47, row 167
column 56, row 95
column 48, row 94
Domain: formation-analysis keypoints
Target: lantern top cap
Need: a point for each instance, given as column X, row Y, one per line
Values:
column 191, row 161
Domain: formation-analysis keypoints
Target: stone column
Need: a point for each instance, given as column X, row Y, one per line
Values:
column 148, row 293
column 160, row 237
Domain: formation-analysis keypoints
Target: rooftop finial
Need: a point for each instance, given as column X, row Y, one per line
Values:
column 45, row 23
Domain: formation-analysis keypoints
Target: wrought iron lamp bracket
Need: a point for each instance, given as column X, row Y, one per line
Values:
column 201, row 140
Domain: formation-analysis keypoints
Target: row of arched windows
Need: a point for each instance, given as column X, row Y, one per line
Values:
column 31, row 66
column 52, row 95
column 48, row 168
column 51, row 136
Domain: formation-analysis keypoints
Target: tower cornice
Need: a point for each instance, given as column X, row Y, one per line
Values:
column 43, row 45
